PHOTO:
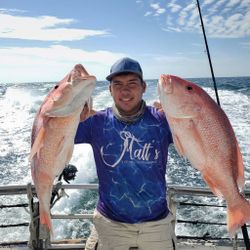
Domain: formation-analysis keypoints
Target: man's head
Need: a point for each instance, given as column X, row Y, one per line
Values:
column 125, row 65
column 126, row 85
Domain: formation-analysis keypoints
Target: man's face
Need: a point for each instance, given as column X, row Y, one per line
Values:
column 127, row 91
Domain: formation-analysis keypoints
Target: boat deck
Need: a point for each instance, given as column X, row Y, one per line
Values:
column 179, row 247
column 184, row 243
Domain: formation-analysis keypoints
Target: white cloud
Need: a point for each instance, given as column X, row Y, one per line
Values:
column 160, row 11
column 222, row 19
column 174, row 7
column 233, row 20
column 183, row 15
column 155, row 6
column 169, row 20
column 58, row 52
column 245, row 4
column 148, row 13
column 207, row 2
column 232, row 3
column 157, row 9
column 216, row 20
column 20, row 64
column 43, row 28
column 3, row 10
column 216, row 6
column 189, row 7
column 234, row 26
column 172, row 29
column 182, row 18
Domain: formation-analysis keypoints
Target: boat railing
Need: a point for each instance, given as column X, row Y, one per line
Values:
column 41, row 240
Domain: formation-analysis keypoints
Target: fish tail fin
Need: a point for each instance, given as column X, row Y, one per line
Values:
column 238, row 216
column 45, row 219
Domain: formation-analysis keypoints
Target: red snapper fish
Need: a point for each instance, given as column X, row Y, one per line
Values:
column 203, row 134
column 53, row 133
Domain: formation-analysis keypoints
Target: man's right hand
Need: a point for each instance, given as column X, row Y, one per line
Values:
column 86, row 112
column 158, row 106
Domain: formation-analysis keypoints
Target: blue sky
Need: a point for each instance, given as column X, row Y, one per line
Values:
column 43, row 40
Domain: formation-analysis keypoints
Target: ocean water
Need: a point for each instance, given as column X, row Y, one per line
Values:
column 18, row 106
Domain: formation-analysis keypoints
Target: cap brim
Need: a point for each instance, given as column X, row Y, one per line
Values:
column 109, row 77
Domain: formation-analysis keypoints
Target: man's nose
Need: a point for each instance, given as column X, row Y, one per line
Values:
column 125, row 87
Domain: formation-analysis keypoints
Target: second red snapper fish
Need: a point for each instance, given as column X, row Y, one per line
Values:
column 53, row 133
column 203, row 134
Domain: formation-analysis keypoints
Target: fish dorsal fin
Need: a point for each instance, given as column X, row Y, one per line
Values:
column 38, row 143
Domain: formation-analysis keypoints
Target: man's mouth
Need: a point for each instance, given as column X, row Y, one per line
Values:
column 126, row 99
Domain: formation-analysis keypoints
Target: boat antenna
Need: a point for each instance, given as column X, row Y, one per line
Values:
column 208, row 53
column 244, row 227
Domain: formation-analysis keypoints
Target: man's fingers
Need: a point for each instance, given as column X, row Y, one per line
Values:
column 158, row 106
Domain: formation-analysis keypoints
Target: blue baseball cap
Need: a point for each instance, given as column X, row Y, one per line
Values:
column 125, row 65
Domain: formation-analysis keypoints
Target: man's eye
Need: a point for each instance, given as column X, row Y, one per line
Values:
column 136, row 82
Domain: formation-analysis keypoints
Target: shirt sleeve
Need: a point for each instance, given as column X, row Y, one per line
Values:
column 83, row 133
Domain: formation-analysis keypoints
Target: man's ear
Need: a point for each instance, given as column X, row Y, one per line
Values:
column 144, row 86
column 110, row 89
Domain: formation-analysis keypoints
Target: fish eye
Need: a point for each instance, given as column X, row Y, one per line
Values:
column 56, row 87
column 189, row 87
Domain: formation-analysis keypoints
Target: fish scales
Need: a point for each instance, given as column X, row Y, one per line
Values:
column 53, row 134
column 203, row 134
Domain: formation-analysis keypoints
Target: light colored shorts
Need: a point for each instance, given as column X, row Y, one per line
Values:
column 114, row 235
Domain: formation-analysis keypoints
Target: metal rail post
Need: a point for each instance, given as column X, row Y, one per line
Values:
column 38, row 237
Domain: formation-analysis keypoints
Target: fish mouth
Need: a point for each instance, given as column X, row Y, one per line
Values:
column 166, row 83
column 78, row 73
column 78, row 96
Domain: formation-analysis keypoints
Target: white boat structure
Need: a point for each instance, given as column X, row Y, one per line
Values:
column 41, row 240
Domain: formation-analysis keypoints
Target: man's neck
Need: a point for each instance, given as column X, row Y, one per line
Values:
column 129, row 118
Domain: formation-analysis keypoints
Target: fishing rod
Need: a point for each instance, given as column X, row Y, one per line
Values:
column 208, row 53
column 244, row 227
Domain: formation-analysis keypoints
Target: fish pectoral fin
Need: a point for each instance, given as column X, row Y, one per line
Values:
column 38, row 143
column 212, row 185
column 178, row 145
column 65, row 148
column 61, row 146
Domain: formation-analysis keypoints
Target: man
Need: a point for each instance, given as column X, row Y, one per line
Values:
column 130, row 143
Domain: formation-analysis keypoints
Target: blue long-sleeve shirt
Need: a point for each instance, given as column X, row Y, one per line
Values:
column 131, row 164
